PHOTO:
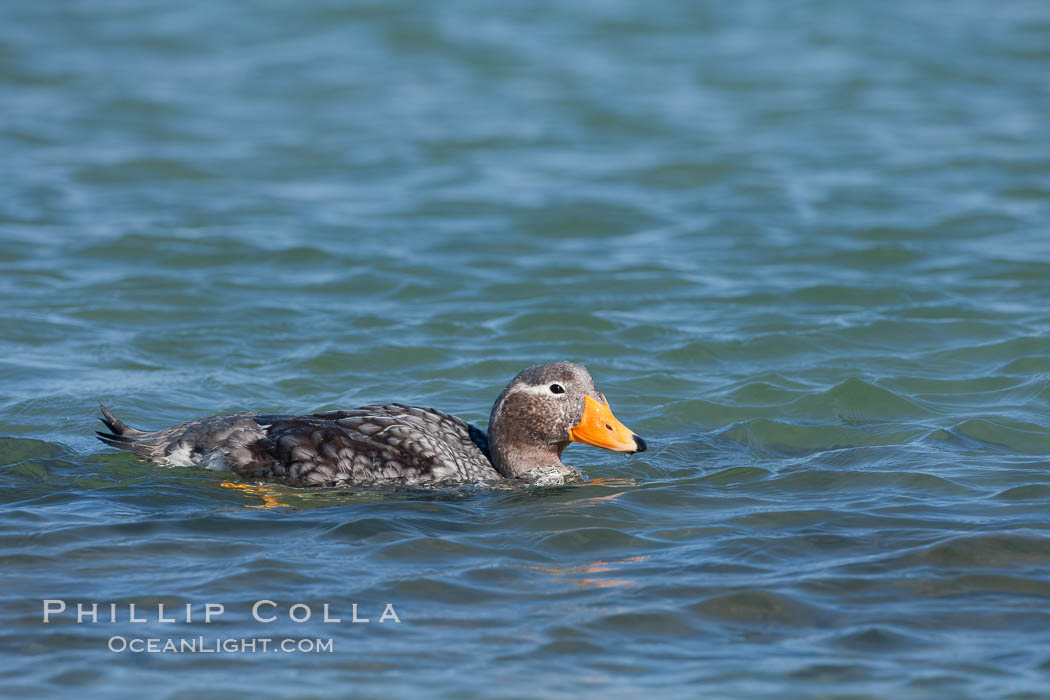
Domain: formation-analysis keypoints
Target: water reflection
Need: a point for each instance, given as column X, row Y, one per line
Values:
column 569, row 574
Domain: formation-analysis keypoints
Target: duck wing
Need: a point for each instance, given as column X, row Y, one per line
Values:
column 371, row 444
column 382, row 442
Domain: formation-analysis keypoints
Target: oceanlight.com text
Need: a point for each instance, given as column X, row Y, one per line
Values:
column 219, row 645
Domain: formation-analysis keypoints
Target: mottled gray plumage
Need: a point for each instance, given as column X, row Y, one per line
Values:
column 529, row 427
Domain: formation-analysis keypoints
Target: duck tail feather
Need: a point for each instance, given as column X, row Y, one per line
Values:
column 120, row 433
column 113, row 441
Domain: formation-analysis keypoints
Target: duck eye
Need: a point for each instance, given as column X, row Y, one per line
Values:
column 557, row 389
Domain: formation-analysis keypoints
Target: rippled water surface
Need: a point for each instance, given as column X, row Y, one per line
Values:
column 803, row 248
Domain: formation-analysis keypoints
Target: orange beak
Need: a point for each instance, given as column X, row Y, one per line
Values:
column 599, row 427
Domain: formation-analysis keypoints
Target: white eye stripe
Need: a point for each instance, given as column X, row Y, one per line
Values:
column 543, row 390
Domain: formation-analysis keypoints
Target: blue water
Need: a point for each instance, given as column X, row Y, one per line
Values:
column 802, row 247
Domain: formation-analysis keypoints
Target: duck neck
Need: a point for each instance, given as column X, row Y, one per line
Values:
column 514, row 459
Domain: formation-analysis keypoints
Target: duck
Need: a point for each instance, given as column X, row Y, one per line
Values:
column 538, row 414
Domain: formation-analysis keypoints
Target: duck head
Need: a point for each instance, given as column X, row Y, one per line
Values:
column 545, row 408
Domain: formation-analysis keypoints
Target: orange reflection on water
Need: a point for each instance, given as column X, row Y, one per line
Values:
column 566, row 573
column 601, row 582
column 259, row 491
column 611, row 481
